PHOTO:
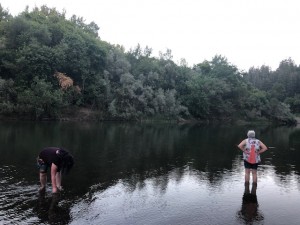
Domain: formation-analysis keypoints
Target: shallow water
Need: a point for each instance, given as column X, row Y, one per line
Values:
column 149, row 174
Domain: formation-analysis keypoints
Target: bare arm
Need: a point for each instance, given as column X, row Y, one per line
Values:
column 242, row 145
column 53, row 177
column 263, row 148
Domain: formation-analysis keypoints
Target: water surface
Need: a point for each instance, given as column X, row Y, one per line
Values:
column 149, row 174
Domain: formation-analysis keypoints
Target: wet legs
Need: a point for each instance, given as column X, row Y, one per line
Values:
column 247, row 175
column 254, row 175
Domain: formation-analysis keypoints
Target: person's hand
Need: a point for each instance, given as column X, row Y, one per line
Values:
column 60, row 188
column 55, row 190
column 42, row 189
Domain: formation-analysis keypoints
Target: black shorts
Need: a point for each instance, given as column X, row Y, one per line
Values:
column 43, row 167
column 250, row 165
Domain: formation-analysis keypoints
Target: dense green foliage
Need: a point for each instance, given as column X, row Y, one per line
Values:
column 133, row 85
column 282, row 85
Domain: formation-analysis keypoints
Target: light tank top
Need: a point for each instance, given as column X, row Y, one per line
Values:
column 251, row 153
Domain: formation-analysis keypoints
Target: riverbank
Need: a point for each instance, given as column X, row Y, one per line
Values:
column 90, row 115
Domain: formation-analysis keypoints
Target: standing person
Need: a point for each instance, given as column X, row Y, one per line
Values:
column 59, row 161
column 252, row 148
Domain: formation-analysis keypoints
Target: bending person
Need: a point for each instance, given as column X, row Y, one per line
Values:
column 252, row 148
column 59, row 161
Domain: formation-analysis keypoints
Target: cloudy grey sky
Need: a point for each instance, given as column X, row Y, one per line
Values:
column 247, row 32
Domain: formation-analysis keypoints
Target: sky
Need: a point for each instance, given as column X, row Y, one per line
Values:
column 247, row 32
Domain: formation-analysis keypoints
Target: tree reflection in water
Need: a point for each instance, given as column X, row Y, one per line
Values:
column 161, row 162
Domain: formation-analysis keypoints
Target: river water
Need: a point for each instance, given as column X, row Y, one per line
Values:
column 149, row 174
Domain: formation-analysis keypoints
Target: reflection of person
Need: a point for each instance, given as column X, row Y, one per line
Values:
column 54, row 208
column 49, row 210
column 249, row 212
column 59, row 161
column 252, row 148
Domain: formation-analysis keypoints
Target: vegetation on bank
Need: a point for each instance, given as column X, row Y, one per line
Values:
column 51, row 67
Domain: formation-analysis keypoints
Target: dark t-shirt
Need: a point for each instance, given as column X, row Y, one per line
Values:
column 49, row 156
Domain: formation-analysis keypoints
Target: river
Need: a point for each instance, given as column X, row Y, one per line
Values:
column 150, row 173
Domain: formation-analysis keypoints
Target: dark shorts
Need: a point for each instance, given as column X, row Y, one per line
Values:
column 250, row 165
column 43, row 167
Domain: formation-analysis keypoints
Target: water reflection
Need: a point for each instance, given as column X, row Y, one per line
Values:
column 133, row 152
column 131, row 171
column 20, row 202
column 15, row 197
column 50, row 211
column 250, row 212
column 159, row 200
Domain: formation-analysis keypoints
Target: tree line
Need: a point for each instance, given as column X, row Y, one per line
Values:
column 283, row 84
column 51, row 65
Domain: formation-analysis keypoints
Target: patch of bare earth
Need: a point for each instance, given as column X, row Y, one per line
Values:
column 81, row 114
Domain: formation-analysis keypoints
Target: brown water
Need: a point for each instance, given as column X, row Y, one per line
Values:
column 149, row 174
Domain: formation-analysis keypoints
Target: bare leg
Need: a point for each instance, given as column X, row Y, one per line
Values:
column 254, row 176
column 247, row 189
column 247, row 175
column 253, row 189
column 53, row 178
column 43, row 181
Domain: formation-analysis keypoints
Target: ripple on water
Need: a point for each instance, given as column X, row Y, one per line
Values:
column 17, row 198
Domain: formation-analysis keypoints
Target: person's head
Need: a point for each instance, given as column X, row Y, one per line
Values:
column 251, row 134
column 68, row 162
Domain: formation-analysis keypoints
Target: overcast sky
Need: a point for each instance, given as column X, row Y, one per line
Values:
column 247, row 32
